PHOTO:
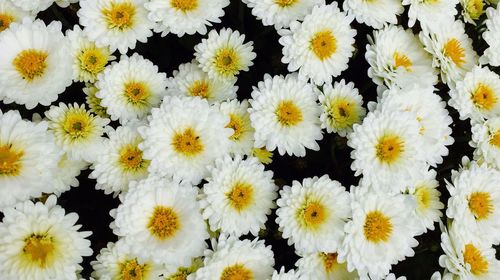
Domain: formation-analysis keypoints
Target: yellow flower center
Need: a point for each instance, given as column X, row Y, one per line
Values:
column 389, row 148
column 31, row 64
column 323, row 44
column 164, row 223
column 10, row 160
column 240, row 196
column 237, row 124
column 495, row 139
column 120, row 15
column 329, row 261
column 236, row 272
column 312, row 214
column 484, row 97
column 263, row 155
column 181, row 274
column 131, row 270
column 200, row 88
column 184, row 5
column 481, row 205
column 77, row 123
column 343, row 113
column 472, row 256
column 423, row 197
column 474, row 8
column 227, row 62
column 39, row 250
column 137, row 93
column 131, row 159
column 285, row 3
column 401, row 60
column 454, row 51
column 377, row 227
column 187, row 143
column 5, row 21
column 92, row 60
column 288, row 113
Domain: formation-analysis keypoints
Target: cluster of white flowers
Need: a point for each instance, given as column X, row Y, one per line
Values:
column 186, row 157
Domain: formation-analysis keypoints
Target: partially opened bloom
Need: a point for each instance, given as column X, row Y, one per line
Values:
column 486, row 140
column 242, row 139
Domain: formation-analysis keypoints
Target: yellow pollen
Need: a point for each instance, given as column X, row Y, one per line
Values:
column 187, row 143
column 10, row 160
column 329, row 261
column 389, row 148
column 377, row 227
column 263, row 155
column 200, row 88
column 495, row 139
column 236, row 272
column 312, row 214
column 453, row 50
column 288, row 113
column 92, row 60
column 131, row 270
column 227, row 62
column 131, row 158
column 5, row 21
column 285, row 3
column 484, row 97
column 31, row 64
column 137, row 93
column 240, row 196
column 343, row 113
column 401, row 60
column 40, row 250
column 481, row 205
column 120, row 15
column 164, row 223
column 323, row 44
column 77, row 124
column 474, row 8
column 423, row 197
column 235, row 123
column 184, row 5
column 472, row 256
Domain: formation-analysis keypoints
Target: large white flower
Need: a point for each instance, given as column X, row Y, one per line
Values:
column 242, row 139
column 492, row 37
column 486, row 140
column 324, row 266
column 430, row 13
column 10, row 13
column 374, row 13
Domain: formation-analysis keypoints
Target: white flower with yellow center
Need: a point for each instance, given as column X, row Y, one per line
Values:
column 40, row 241
column 380, row 233
column 428, row 12
column 35, row 65
column 486, row 140
column 312, row 215
column 88, row 59
column 472, row 10
column 397, row 58
column 182, row 17
column 33, row 7
column 10, row 13
column 237, row 259
column 120, row 161
column 325, row 266
column 238, row 196
column 161, row 220
column 130, row 88
column 223, row 55
column 282, row 275
column 76, row 130
column 116, row 261
column 242, row 139
column 319, row 47
column 94, row 102
column 452, row 50
column 66, row 175
column 477, row 95
column 285, row 115
column 492, row 37
column 190, row 80
column 342, row 107
column 374, row 13
column 184, row 137
column 118, row 24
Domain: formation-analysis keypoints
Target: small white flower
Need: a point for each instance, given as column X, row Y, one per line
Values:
column 486, row 140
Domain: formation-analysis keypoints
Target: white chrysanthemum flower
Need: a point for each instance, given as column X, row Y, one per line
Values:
column 320, row 46
column 342, row 107
column 94, row 102
column 223, row 55
column 472, row 10
column 185, row 16
column 65, row 3
column 10, row 13
column 35, row 65
column 233, row 259
column 67, row 171
column 492, row 38
column 387, row 149
column 28, row 159
column 477, row 95
column 185, row 136
column 474, row 204
column 76, row 131
column 161, row 220
column 452, row 50
column 430, row 12
column 40, row 241
column 118, row 24
column 281, row 13
column 324, row 266
column 190, row 80
column 130, row 88
column 312, row 215
column 116, row 261
column 486, row 140
column 282, row 275
column 380, row 233
column 397, row 58
column 31, row 6
column 374, row 13
column 238, row 196
column 242, row 139
column 120, row 161
column 285, row 115
column 88, row 59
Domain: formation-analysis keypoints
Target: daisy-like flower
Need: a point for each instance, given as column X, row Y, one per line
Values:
column 39, row 241
column 185, row 136
column 486, row 140
column 185, row 16
column 88, row 59
column 282, row 275
column 120, row 161
column 238, row 196
column 281, row 13
column 10, row 13
column 118, row 24
column 492, row 38
column 477, row 95
column 430, row 12
column 320, row 46
column 242, row 139
column 342, row 107
column 312, row 215
column 28, row 159
column 31, row 6
column 452, row 50
column 190, row 80
column 130, row 88
column 161, row 220
column 237, row 259
column 223, row 55
column 35, row 66
column 380, row 233
column 285, row 115
column 94, row 102
column 116, row 261
column 67, row 171
column 472, row 10
column 325, row 266
column 374, row 13
column 76, row 131
column 387, row 149
column 397, row 58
